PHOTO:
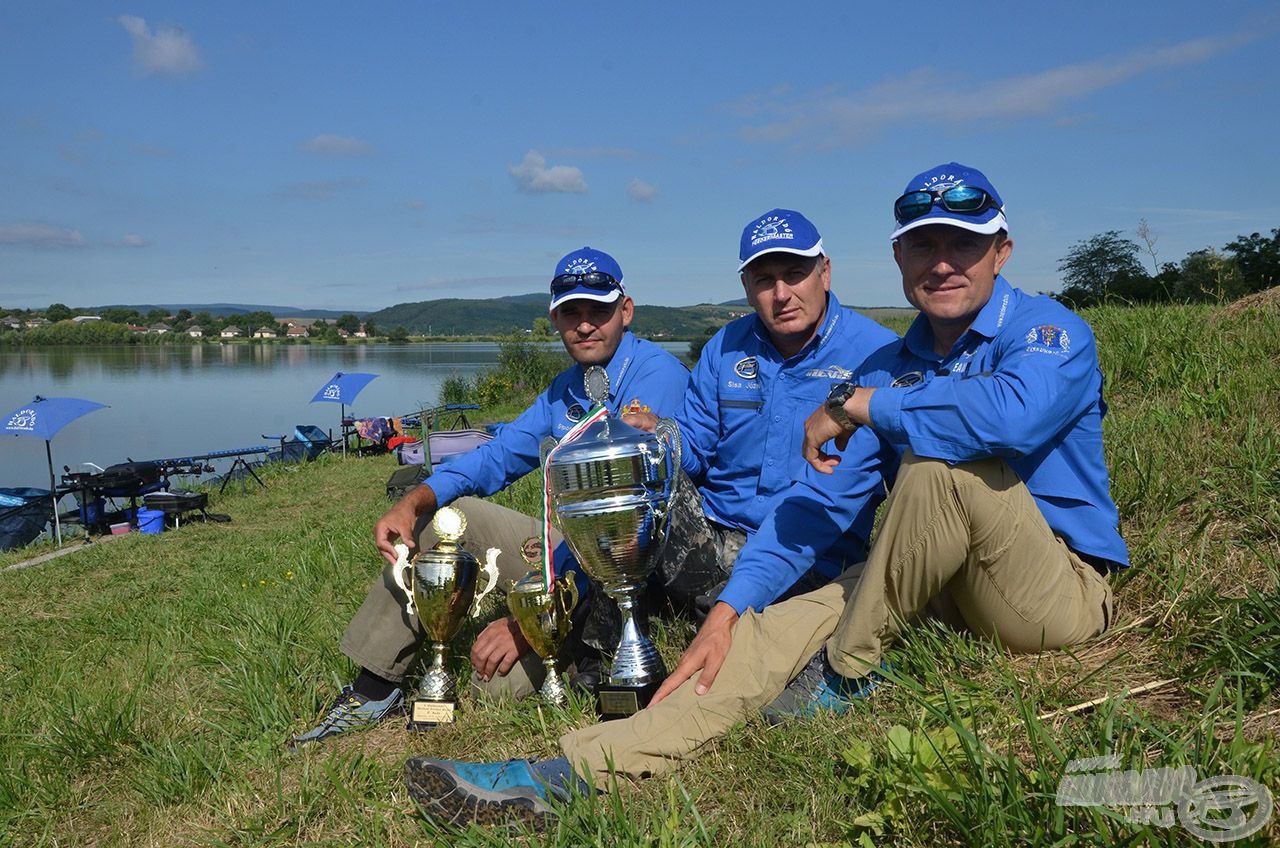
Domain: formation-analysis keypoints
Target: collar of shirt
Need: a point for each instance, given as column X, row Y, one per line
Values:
column 616, row 370
column 918, row 339
column 830, row 321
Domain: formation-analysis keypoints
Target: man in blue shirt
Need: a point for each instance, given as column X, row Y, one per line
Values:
column 592, row 312
column 989, row 411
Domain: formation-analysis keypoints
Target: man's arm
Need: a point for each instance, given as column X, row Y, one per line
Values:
column 699, row 416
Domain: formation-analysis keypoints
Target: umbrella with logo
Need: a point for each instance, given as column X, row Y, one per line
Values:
column 342, row 389
column 43, row 418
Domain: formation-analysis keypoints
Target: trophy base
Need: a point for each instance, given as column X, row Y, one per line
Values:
column 427, row 715
column 617, row 700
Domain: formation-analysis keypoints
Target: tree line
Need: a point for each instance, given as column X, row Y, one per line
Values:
column 1112, row 268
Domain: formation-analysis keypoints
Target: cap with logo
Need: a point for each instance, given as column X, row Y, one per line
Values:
column 586, row 274
column 779, row 231
column 951, row 194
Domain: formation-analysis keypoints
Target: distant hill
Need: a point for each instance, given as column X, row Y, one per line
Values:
column 460, row 317
column 219, row 310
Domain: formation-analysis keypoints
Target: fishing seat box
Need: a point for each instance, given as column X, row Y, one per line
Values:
column 177, row 502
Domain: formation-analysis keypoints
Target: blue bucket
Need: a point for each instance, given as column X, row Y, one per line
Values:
column 151, row 521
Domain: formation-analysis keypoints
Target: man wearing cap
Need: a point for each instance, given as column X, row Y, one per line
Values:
column 592, row 312
column 999, row 521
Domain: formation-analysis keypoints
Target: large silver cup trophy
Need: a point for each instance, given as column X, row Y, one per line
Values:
column 440, row 589
column 611, row 489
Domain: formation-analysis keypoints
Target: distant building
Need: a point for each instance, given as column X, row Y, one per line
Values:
column 159, row 329
column 12, row 323
column 134, row 328
column 37, row 322
column 296, row 331
column 231, row 332
column 361, row 334
column 264, row 333
column 195, row 331
column 80, row 319
column 343, row 334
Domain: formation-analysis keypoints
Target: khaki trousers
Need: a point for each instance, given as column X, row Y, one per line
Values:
column 968, row 536
column 383, row 638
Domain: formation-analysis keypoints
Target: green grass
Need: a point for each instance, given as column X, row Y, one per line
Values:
column 150, row 683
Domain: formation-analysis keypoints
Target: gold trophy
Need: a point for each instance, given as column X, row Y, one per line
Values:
column 440, row 589
column 545, row 619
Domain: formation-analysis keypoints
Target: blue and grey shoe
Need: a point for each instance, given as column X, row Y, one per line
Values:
column 350, row 711
column 501, row 793
column 818, row 687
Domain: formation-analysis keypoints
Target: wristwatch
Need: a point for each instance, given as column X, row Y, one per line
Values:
column 840, row 393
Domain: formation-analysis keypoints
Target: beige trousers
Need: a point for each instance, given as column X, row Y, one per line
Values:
column 383, row 638
column 967, row 536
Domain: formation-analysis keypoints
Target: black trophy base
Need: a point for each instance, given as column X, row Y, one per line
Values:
column 428, row 715
column 620, row 701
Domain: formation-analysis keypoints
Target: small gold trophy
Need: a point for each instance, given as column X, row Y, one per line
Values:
column 440, row 588
column 545, row 619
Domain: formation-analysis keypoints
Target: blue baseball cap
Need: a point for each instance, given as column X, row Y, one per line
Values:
column 779, row 231
column 599, row 278
column 942, row 177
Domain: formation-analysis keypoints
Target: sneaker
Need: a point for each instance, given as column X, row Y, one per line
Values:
column 350, row 711
column 501, row 793
column 818, row 687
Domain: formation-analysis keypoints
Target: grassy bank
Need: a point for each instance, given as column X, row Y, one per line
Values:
column 150, row 683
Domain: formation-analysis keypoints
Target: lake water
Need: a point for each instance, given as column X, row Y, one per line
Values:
column 176, row 401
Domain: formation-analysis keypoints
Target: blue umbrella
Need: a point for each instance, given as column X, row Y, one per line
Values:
column 342, row 389
column 43, row 418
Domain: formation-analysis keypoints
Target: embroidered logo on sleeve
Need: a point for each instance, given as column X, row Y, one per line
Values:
column 575, row 412
column 1048, row 339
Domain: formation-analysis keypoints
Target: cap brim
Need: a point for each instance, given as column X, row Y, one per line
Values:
column 584, row 293
column 816, row 250
column 986, row 225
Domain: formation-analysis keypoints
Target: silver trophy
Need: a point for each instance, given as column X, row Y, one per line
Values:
column 611, row 488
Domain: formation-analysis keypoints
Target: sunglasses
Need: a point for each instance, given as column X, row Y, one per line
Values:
column 596, row 280
column 963, row 200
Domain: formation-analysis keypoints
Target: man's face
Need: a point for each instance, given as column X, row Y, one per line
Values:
column 591, row 330
column 789, row 293
column 948, row 272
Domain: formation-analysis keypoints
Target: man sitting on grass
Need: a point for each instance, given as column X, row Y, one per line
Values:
column 592, row 313
column 999, row 520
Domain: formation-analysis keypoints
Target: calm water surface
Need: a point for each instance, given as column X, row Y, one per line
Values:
column 175, row 401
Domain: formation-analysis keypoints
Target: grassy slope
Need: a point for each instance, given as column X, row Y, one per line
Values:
column 150, row 683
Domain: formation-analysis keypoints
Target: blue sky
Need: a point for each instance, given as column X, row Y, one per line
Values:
column 360, row 155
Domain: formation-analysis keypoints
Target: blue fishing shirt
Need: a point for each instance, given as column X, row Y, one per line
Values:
column 743, row 425
column 1022, row 383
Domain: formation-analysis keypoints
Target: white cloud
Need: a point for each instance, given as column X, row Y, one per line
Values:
column 831, row 117
column 133, row 240
column 532, row 175
column 41, row 236
column 328, row 144
column 168, row 50
column 642, row 191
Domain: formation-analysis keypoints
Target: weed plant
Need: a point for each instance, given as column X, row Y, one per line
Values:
column 151, row 682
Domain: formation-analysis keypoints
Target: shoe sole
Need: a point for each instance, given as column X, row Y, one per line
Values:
column 436, row 791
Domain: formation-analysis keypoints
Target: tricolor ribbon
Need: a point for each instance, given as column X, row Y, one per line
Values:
column 548, row 558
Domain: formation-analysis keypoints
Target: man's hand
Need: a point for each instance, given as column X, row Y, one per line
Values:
column 497, row 648
column 705, row 653
column 820, row 428
column 397, row 523
column 641, row 420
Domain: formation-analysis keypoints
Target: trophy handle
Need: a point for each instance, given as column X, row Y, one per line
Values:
column 490, row 569
column 566, row 596
column 400, row 573
column 672, row 450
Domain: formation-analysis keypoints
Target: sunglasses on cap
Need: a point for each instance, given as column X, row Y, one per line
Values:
column 595, row 280
column 962, row 200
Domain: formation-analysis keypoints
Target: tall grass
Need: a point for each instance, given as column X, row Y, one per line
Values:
column 151, row 683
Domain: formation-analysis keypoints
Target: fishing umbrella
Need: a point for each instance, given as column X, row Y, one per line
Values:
column 43, row 418
column 342, row 389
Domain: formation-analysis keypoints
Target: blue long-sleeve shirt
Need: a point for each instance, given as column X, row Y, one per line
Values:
column 1022, row 384
column 743, row 425
column 641, row 374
